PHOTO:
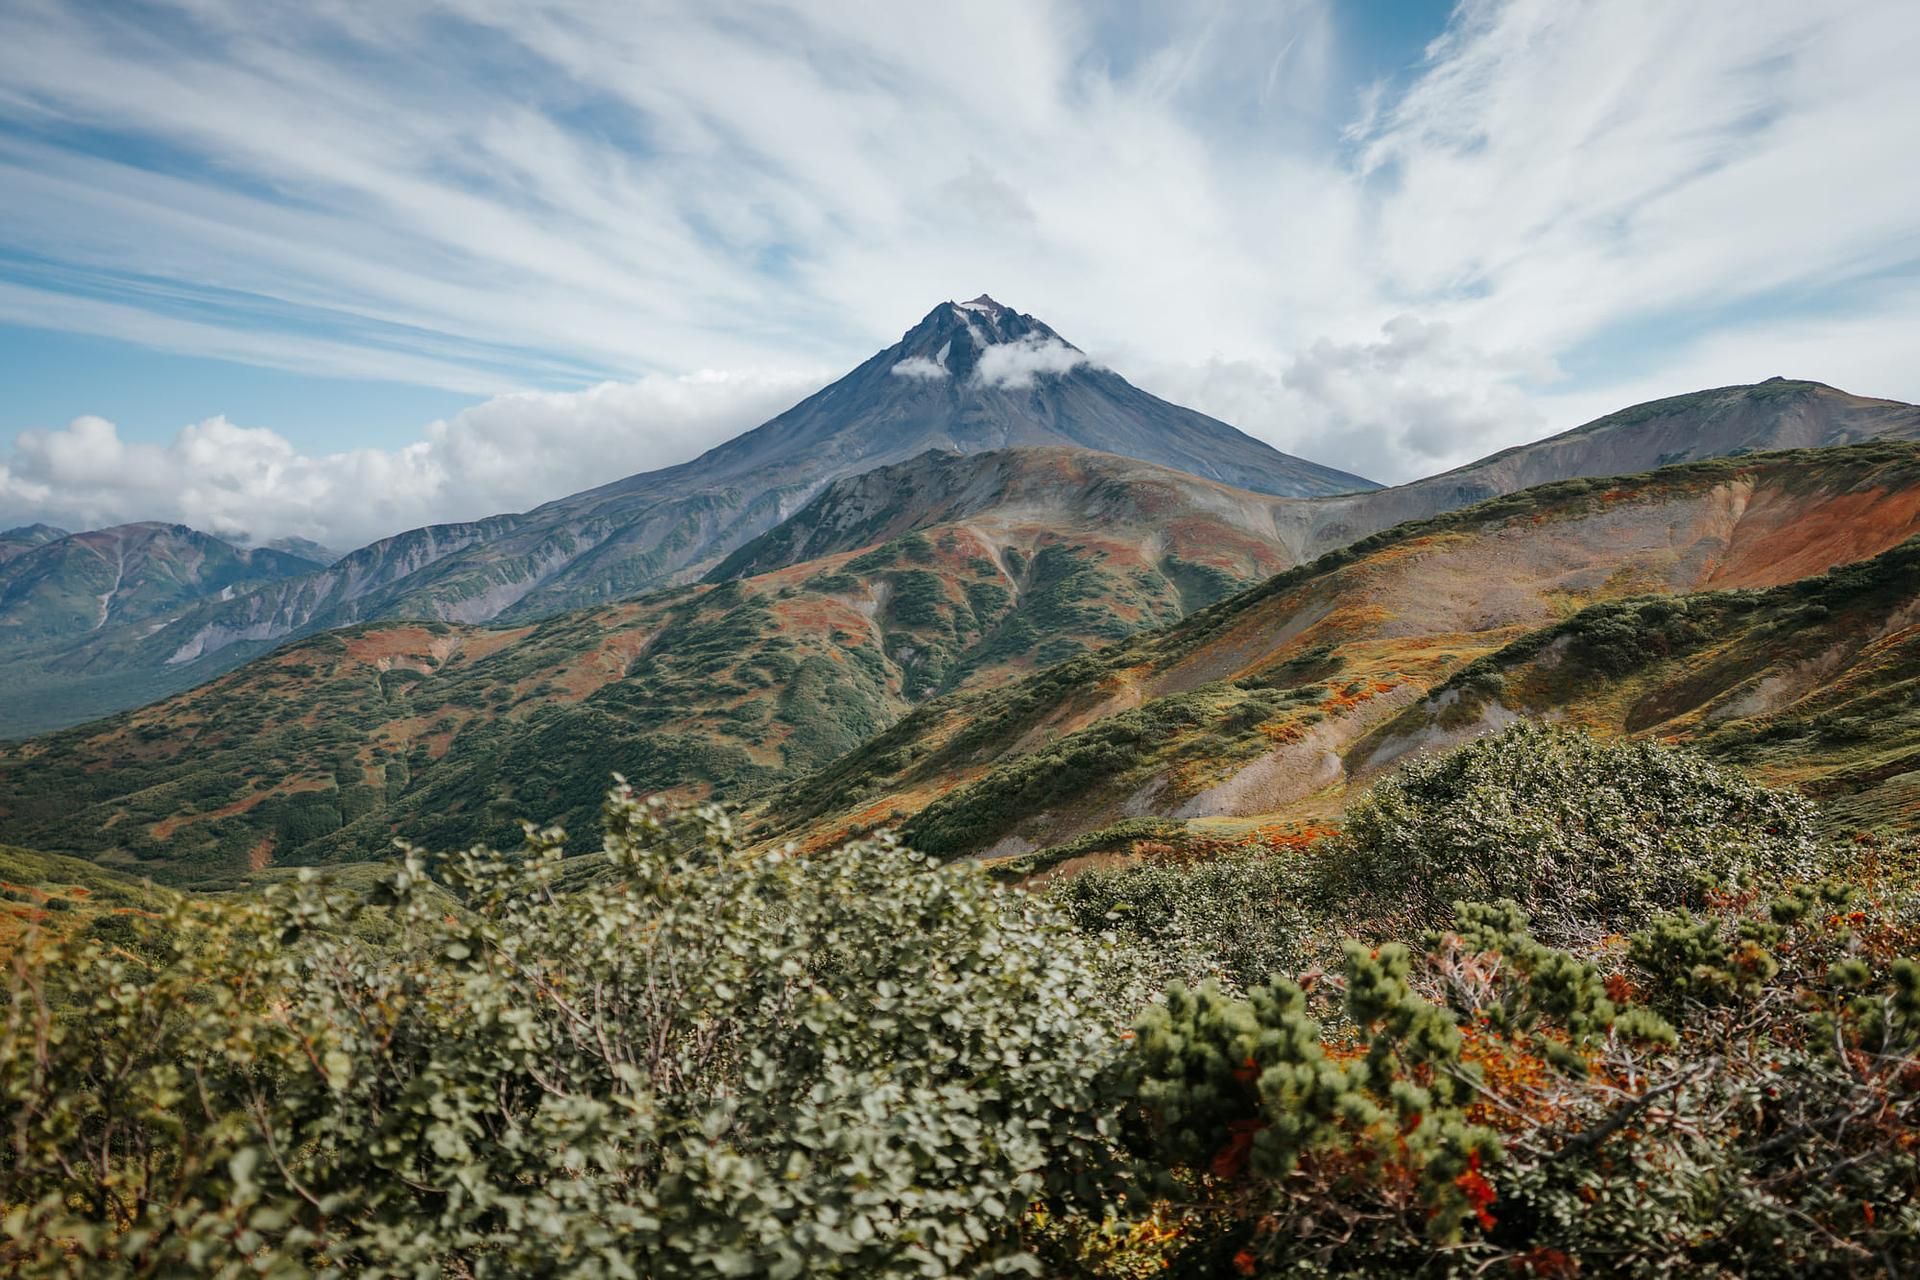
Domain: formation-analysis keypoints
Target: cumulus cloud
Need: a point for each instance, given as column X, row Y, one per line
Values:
column 1015, row 365
column 509, row 453
column 921, row 369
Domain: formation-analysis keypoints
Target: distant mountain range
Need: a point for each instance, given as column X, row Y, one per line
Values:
column 58, row 584
column 17, row 542
column 969, row 377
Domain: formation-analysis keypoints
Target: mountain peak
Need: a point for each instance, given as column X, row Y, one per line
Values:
column 950, row 340
column 32, row 533
column 991, row 321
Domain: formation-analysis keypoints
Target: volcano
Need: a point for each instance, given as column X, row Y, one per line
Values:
column 970, row 377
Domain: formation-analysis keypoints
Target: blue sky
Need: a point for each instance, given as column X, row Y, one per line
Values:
column 336, row 269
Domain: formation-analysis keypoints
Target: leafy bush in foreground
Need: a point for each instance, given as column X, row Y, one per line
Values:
column 702, row 1064
column 678, row 1060
column 1235, row 919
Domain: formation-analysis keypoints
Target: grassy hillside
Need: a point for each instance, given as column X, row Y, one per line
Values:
column 66, row 896
column 1815, row 684
column 328, row 748
column 1718, row 422
column 1245, row 718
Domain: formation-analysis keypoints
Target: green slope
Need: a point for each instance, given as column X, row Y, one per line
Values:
column 328, row 748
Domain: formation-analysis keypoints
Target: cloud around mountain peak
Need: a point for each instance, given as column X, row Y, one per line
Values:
column 986, row 344
column 921, row 369
column 1016, row 364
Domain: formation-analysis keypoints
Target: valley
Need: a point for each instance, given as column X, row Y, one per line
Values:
column 1039, row 656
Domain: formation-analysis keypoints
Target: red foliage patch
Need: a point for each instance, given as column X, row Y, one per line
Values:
column 1478, row 1191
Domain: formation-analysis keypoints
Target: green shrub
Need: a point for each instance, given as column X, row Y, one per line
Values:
column 1235, row 920
column 1617, row 637
column 1290, row 1145
column 972, row 816
column 676, row 1058
column 1590, row 837
column 699, row 1064
column 1491, row 1105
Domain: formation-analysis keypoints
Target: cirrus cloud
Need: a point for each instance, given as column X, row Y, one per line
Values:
column 1535, row 211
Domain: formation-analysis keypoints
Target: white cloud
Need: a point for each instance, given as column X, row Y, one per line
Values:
column 1412, row 400
column 921, row 369
column 1383, row 276
column 506, row 454
column 1017, row 364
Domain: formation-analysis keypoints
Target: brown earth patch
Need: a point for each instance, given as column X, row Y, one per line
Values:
column 389, row 643
column 164, row 829
column 594, row 671
column 1784, row 536
column 821, row 614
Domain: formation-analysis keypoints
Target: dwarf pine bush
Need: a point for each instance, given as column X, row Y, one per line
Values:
column 1488, row 1104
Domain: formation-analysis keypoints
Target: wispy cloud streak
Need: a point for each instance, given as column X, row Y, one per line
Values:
column 1561, row 202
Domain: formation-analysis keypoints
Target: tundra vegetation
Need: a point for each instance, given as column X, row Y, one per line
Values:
column 1545, row 1006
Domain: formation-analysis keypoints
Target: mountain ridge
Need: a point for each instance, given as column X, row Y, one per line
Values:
column 664, row 526
column 1780, row 413
column 1244, row 714
column 24, row 538
column 941, row 486
column 77, row 583
column 518, row 567
column 449, row 733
